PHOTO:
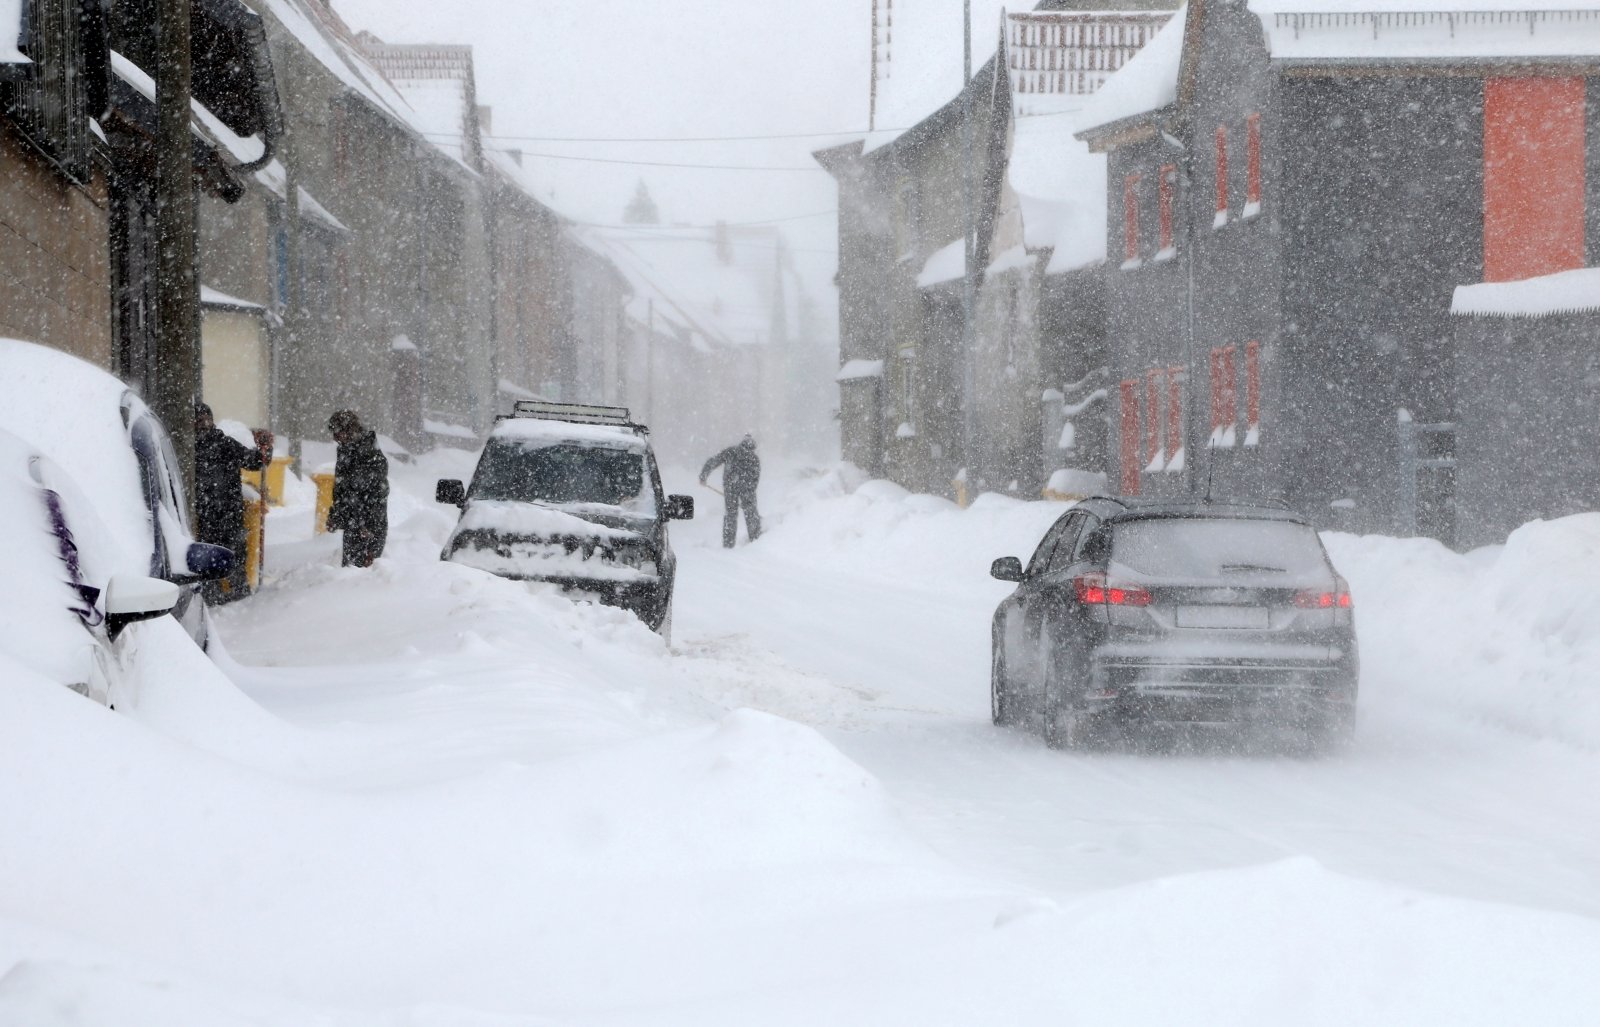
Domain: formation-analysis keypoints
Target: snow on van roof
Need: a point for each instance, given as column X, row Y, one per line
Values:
column 1565, row 292
column 538, row 432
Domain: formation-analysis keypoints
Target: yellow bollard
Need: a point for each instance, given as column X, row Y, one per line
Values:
column 275, row 472
column 254, row 541
column 324, row 482
column 960, row 483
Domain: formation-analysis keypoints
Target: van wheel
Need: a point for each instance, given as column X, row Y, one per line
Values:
column 1067, row 723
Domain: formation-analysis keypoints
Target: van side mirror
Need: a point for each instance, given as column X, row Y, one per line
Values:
column 131, row 598
column 451, row 491
column 680, row 508
column 1007, row 568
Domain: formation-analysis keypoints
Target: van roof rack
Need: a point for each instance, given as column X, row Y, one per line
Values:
column 575, row 413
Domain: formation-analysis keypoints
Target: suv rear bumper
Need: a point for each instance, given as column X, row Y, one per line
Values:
column 1224, row 689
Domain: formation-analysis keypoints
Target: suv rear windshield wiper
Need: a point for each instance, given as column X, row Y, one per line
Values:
column 1253, row 567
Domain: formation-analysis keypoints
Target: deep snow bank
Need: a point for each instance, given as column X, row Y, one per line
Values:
column 1507, row 636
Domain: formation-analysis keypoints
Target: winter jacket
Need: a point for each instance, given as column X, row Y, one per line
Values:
column 741, row 469
column 360, row 486
column 218, row 502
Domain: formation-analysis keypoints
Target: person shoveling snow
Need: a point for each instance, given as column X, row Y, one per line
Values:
column 741, row 473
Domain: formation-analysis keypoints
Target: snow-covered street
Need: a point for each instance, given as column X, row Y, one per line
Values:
column 441, row 798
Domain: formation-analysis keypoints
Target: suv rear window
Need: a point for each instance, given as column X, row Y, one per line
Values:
column 1219, row 548
column 559, row 475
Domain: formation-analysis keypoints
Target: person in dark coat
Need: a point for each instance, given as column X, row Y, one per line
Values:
column 360, row 490
column 741, row 473
column 218, row 500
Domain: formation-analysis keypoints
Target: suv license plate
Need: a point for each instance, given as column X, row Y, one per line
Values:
column 1241, row 617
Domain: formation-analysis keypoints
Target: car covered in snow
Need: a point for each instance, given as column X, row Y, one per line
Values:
column 571, row 494
column 1196, row 612
column 97, row 430
column 64, row 606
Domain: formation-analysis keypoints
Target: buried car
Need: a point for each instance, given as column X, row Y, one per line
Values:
column 571, row 494
column 98, row 431
column 62, row 614
column 1195, row 612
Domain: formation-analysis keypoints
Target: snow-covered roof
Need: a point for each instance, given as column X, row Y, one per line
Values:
column 205, row 125
column 402, row 344
column 507, row 387
column 1056, row 59
column 1364, row 30
column 1061, row 188
column 918, row 59
column 854, row 370
column 10, row 31
column 327, row 42
column 945, row 264
column 275, row 178
column 437, row 82
column 1565, row 292
column 1010, row 260
column 1146, row 83
column 210, row 297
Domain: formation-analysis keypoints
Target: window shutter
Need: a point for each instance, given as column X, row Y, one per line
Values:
column 1222, row 171
column 1130, row 217
column 1252, row 383
column 1252, row 157
column 1169, row 181
column 1152, row 405
column 1129, row 440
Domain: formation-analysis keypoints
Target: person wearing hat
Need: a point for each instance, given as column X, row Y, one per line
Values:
column 218, row 500
column 360, row 490
column 741, row 473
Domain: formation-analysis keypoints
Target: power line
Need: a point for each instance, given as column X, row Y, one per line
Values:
column 670, row 139
column 660, row 164
column 725, row 224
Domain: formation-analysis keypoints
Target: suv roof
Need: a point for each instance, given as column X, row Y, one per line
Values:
column 575, row 413
column 1134, row 507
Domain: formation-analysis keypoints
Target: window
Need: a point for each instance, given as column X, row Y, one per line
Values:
column 1067, row 546
column 1129, row 437
column 1168, row 188
column 1252, row 393
column 1533, row 177
column 1130, row 221
column 1222, row 177
column 1224, row 396
column 1174, row 418
column 1153, row 457
column 1252, row 162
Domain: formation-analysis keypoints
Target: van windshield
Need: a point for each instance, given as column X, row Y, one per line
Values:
column 562, row 475
column 1216, row 548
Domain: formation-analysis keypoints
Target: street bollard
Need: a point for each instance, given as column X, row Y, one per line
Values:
column 324, row 483
column 254, row 540
column 275, row 478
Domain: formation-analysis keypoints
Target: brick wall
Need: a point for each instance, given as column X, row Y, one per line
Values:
column 55, row 278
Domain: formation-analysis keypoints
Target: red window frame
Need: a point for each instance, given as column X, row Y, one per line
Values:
column 1230, row 387
column 1129, row 437
column 1216, row 388
column 1174, row 412
column 1222, row 169
column 1130, row 217
column 1252, row 158
column 1152, row 405
column 1168, row 186
column 1252, row 383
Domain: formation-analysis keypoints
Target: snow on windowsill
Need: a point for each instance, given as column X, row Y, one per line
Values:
column 1131, row 264
column 1165, row 254
column 854, row 370
column 1179, row 460
column 1069, row 436
column 1220, row 220
column 905, row 431
column 1074, row 409
column 1565, row 292
column 1252, row 436
column 1158, row 463
column 1251, row 209
column 1222, row 437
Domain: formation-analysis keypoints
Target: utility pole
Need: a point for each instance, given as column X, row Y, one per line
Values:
column 969, row 284
column 650, row 359
column 177, row 384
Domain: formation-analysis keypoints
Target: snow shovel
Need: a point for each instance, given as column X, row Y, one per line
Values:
column 713, row 488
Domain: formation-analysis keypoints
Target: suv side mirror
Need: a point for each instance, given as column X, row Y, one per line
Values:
column 1007, row 568
column 680, row 508
column 131, row 598
column 207, row 562
column 450, row 490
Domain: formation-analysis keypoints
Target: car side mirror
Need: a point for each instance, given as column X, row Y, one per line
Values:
column 1007, row 568
column 207, row 562
column 680, row 508
column 451, row 491
column 131, row 598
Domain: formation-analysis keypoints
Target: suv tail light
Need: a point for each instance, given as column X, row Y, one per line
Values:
column 1312, row 599
column 1093, row 590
